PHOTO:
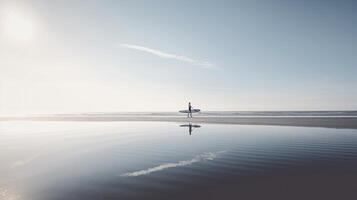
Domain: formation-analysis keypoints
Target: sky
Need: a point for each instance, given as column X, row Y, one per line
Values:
column 112, row 56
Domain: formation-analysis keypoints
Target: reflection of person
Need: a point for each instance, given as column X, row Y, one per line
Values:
column 191, row 127
column 189, row 114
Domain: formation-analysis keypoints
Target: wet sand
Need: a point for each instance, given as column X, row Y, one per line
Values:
column 326, row 122
column 55, row 160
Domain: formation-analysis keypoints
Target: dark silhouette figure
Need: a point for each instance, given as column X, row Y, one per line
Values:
column 189, row 114
column 190, row 127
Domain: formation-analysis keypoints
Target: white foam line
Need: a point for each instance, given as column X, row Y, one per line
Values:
column 198, row 158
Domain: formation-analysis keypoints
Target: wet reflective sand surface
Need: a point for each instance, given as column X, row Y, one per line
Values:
column 162, row 160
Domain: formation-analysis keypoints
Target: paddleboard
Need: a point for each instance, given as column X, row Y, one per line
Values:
column 187, row 111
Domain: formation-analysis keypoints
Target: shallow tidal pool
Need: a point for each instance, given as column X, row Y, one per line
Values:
column 162, row 160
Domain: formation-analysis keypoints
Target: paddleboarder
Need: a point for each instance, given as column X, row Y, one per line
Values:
column 190, row 110
column 189, row 114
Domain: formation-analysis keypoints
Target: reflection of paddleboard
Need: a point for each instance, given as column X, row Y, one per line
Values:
column 193, row 125
column 193, row 111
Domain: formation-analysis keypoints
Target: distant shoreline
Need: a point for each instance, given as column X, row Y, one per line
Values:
column 325, row 122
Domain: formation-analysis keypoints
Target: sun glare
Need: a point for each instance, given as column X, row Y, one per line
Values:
column 18, row 28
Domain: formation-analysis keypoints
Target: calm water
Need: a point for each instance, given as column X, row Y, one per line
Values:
column 154, row 160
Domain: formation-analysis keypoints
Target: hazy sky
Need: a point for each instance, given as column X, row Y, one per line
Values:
column 92, row 56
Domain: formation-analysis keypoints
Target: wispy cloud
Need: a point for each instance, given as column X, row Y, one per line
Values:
column 162, row 54
column 198, row 158
column 23, row 162
column 6, row 194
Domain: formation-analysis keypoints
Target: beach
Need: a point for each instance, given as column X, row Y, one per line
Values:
column 157, row 100
column 349, row 122
column 90, row 160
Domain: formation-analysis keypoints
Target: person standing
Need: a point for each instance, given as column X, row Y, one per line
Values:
column 189, row 114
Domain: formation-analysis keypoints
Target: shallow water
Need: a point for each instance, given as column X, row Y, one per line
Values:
column 159, row 160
